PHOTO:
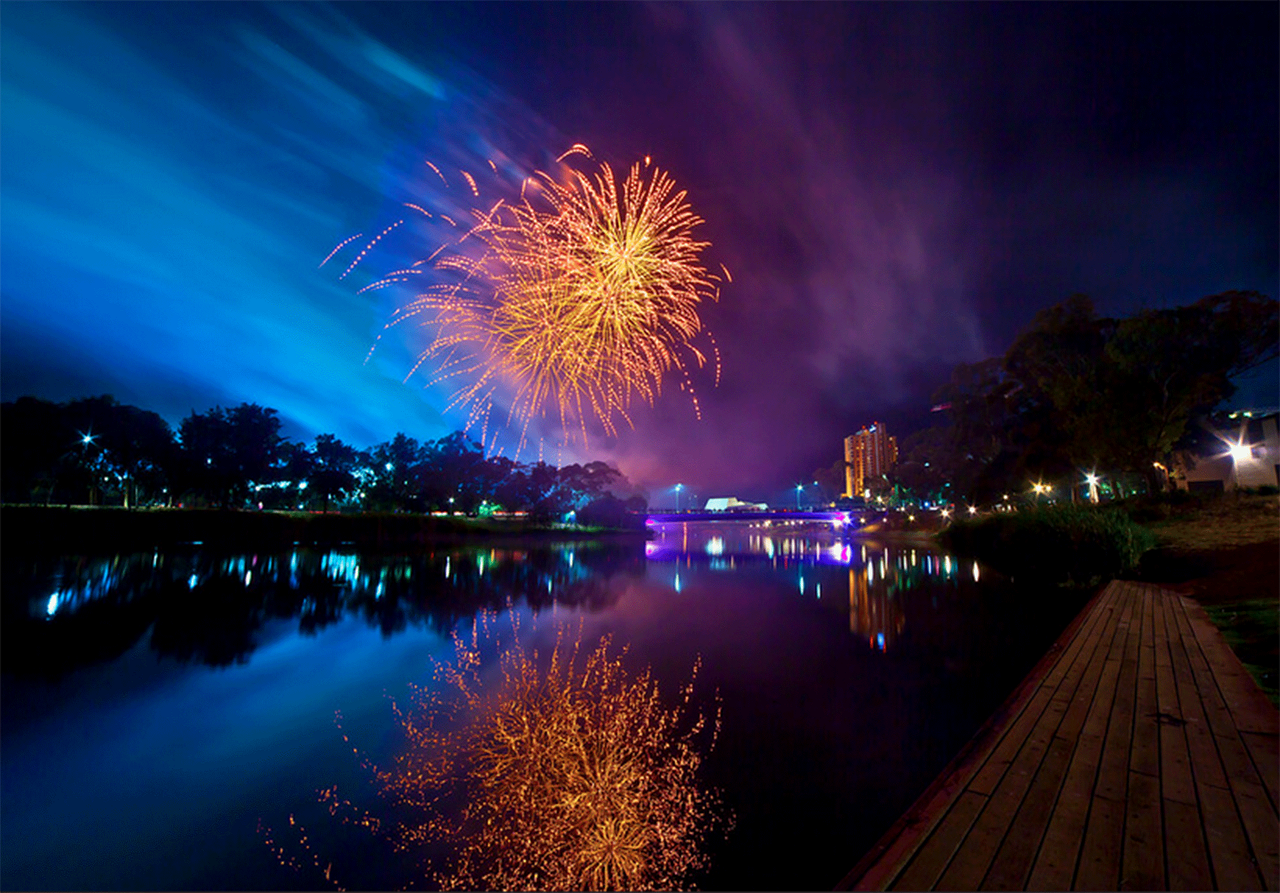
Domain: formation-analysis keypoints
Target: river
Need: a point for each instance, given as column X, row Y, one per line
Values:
column 165, row 713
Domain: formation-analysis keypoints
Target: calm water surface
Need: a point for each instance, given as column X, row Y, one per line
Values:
column 159, row 706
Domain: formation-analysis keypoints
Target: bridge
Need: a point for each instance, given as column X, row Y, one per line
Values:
column 827, row 517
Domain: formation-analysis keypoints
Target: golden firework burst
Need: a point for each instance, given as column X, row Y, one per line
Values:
column 570, row 303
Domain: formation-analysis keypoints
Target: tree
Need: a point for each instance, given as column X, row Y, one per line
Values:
column 830, row 480
column 921, row 471
column 226, row 453
column 449, row 479
column 1077, row 392
column 398, row 468
column 333, row 469
column 583, row 483
column 37, row 438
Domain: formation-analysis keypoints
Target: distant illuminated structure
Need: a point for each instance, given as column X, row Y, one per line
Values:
column 867, row 455
column 734, row 504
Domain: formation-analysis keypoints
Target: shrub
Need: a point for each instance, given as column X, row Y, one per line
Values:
column 610, row 512
column 1061, row 545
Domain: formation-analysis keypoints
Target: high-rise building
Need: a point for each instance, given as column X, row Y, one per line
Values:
column 867, row 455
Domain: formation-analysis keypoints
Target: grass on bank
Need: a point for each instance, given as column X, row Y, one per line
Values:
column 1060, row 545
column 1251, row 629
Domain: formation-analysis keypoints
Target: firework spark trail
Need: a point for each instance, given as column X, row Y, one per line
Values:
column 340, row 246
column 574, row 307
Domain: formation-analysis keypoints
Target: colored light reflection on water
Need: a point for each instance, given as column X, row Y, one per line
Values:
column 158, row 705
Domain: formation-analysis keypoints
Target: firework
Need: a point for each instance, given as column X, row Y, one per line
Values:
column 571, row 303
column 560, row 772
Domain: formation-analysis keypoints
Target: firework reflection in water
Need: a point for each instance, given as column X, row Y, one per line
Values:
column 560, row 771
column 569, row 303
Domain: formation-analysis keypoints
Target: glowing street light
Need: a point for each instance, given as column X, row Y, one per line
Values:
column 679, row 487
column 1092, row 480
column 799, row 487
column 1239, row 452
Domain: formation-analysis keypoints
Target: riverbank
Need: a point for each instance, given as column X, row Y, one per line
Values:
column 1224, row 552
column 40, row 528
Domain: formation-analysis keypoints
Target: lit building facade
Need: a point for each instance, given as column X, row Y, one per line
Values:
column 867, row 455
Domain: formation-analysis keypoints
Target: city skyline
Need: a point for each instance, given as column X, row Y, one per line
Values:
column 893, row 190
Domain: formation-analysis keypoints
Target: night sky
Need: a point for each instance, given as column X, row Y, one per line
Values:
column 895, row 189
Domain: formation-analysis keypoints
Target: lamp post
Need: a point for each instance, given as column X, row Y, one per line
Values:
column 679, row 487
column 799, row 487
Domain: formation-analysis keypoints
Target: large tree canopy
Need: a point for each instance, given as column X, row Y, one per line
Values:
column 1079, row 391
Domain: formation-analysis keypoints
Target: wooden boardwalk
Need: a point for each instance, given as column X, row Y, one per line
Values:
column 1139, row 755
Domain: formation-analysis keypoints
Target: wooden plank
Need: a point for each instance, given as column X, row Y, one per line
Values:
column 1010, row 820
column 1265, row 751
column 989, row 831
column 931, row 860
column 1186, row 852
column 1261, row 825
column 1013, row 861
column 1009, row 745
column 1113, row 769
column 1255, row 807
column 1206, row 764
column 1145, row 750
column 1230, row 860
column 1250, row 709
column 1176, row 781
column 1103, row 842
column 1161, row 630
column 1142, row 866
column 1055, row 864
column 1229, row 857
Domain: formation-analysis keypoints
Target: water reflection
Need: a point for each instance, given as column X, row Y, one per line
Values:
column 565, row 770
column 208, row 607
column 202, row 606
column 869, row 592
column 850, row 671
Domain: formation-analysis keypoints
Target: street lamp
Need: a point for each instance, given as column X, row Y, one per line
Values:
column 679, row 487
column 799, row 487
